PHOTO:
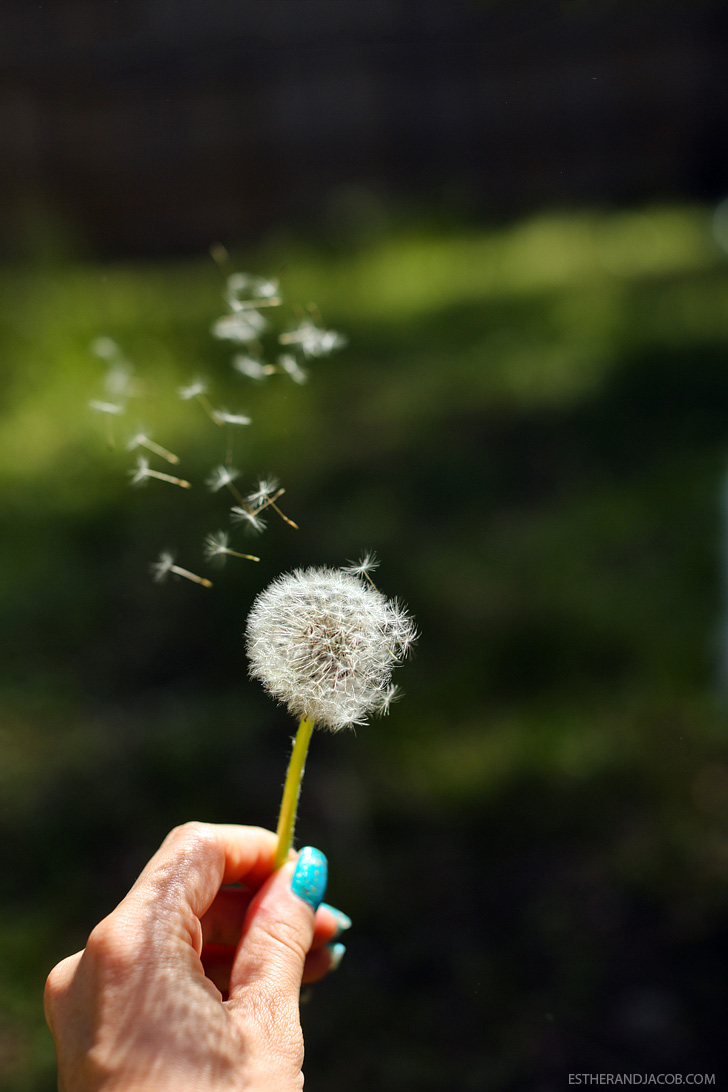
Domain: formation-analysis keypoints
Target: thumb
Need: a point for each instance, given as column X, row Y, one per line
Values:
column 278, row 931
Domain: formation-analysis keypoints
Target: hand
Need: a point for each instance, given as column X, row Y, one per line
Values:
column 192, row 986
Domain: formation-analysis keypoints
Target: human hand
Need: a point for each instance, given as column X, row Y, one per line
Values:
column 193, row 986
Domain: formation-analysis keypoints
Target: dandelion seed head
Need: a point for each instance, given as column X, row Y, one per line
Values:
column 192, row 390
column 324, row 642
column 250, row 521
column 220, row 477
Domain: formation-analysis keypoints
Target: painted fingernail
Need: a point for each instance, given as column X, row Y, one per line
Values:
column 337, row 954
column 310, row 876
column 343, row 921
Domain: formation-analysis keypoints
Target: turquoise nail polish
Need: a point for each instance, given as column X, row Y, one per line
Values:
column 310, row 876
column 337, row 954
column 343, row 921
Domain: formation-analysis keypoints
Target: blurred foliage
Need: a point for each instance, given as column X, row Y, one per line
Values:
column 530, row 426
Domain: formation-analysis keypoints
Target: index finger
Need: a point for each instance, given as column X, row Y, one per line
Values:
column 194, row 861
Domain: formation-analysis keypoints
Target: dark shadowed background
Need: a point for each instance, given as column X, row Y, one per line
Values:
column 514, row 212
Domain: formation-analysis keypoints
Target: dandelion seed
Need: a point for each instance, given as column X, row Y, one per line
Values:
column 142, row 440
column 165, row 565
column 143, row 471
column 237, row 419
column 220, row 477
column 193, row 390
column 114, row 409
column 320, row 640
column 366, row 565
column 246, row 291
column 251, row 368
column 239, row 327
column 292, row 368
column 106, row 349
column 217, row 549
column 250, row 520
column 391, row 694
column 266, row 496
column 312, row 339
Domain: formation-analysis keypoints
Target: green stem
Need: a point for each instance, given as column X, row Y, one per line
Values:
column 291, row 791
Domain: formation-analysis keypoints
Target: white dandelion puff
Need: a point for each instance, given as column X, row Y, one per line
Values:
column 263, row 492
column 217, row 549
column 250, row 521
column 165, row 565
column 324, row 643
column 143, row 471
column 240, row 327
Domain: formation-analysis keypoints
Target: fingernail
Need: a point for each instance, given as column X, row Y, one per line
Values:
column 343, row 921
column 310, row 876
column 337, row 954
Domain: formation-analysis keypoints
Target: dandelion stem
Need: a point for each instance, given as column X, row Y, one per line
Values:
column 190, row 576
column 292, row 791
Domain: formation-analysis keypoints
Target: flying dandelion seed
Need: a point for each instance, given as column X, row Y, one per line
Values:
column 235, row 419
column 290, row 366
column 250, row 367
column 366, row 565
column 217, row 549
column 221, row 477
column 239, row 327
column 165, row 565
column 246, row 291
column 143, row 440
column 143, row 471
column 313, row 340
column 250, row 521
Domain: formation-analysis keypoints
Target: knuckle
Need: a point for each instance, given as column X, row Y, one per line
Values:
column 109, row 944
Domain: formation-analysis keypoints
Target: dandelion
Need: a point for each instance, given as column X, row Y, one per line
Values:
column 266, row 496
column 143, row 471
column 324, row 642
column 165, row 565
column 217, row 549
column 143, row 440
column 239, row 327
column 250, row 520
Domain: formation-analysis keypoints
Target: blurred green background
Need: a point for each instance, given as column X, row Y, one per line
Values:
column 513, row 210
column 529, row 425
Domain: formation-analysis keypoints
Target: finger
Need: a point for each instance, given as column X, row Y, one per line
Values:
column 218, row 959
column 279, row 929
column 222, row 924
column 185, row 874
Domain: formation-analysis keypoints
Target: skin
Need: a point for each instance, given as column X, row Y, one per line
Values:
column 191, row 985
